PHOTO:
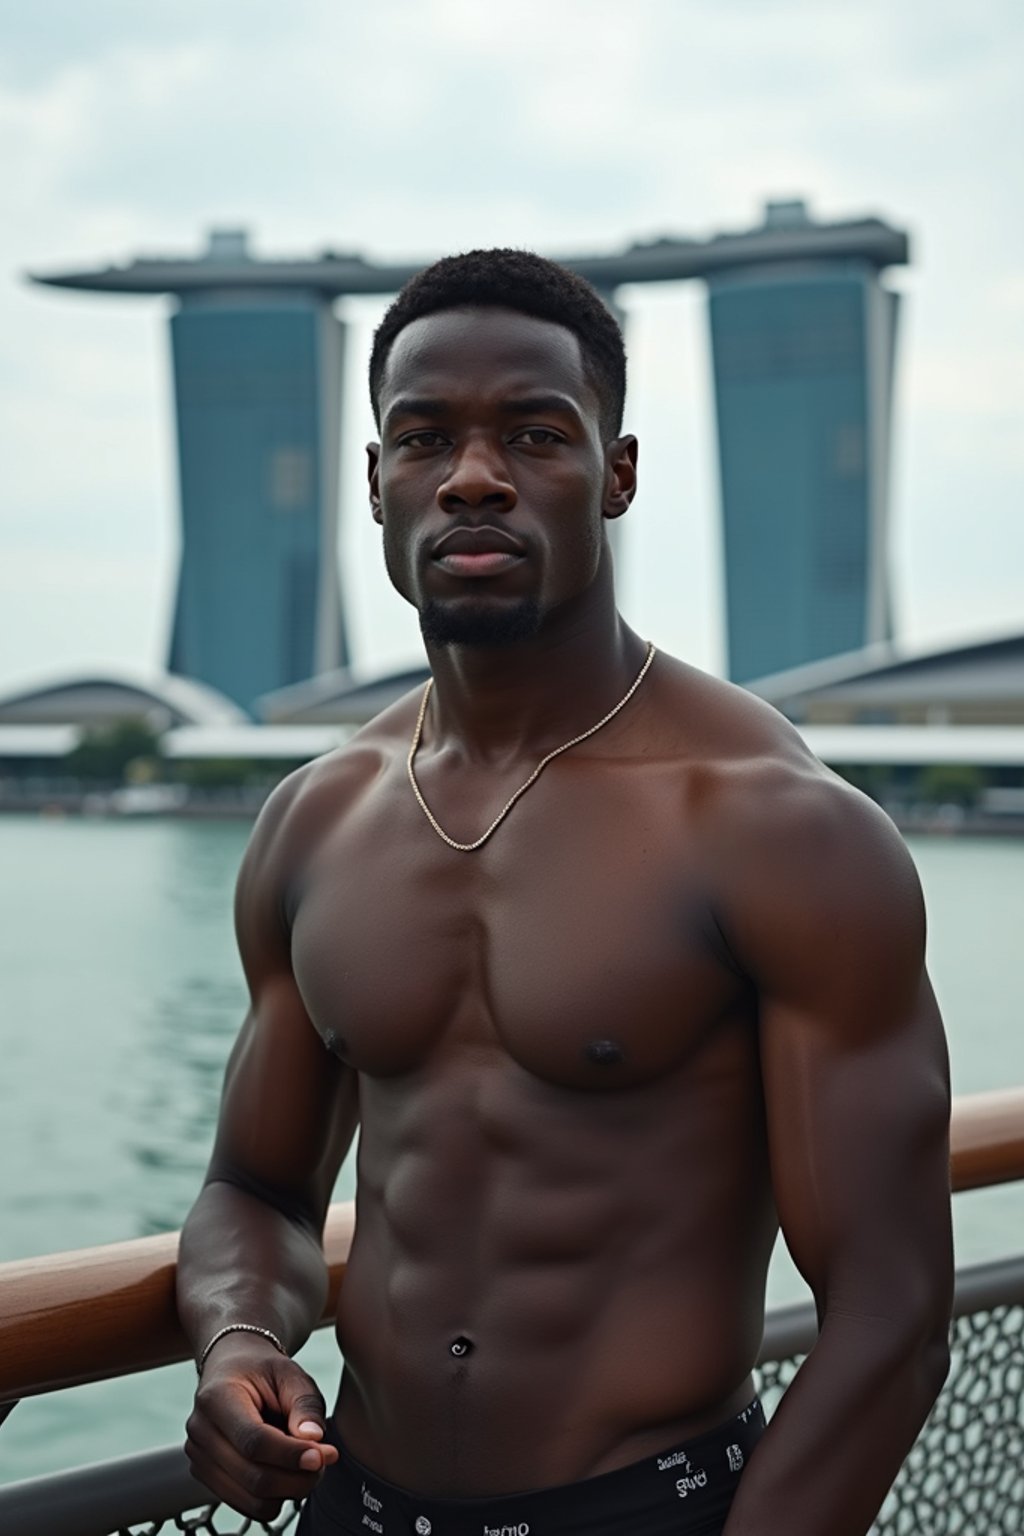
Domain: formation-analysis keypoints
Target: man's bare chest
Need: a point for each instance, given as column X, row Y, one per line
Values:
column 580, row 941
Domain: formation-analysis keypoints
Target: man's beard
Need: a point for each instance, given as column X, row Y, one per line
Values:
column 460, row 624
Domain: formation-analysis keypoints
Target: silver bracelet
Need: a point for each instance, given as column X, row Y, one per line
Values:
column 264, row 1333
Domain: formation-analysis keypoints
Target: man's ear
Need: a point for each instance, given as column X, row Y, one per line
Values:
column 373, row 476
column 620, row 478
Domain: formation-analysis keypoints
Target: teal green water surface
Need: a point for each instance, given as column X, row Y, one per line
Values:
column 120, row 995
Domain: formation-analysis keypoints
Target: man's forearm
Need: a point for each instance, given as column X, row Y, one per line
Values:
column 242, row 1260
column 842, row 1431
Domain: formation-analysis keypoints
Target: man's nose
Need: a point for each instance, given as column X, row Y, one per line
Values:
column 477, row 477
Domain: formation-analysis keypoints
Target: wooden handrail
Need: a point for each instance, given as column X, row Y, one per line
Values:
column 68, row 1318
column 987, row 1139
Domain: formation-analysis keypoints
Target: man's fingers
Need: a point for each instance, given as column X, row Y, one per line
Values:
column 307, row 1420
column 226, row 1491
column 302, row 1405
column 232, row 1415
column 254, row 1488
column 246, row 1461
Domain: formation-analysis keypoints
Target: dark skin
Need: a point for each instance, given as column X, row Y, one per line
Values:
column 678, row 999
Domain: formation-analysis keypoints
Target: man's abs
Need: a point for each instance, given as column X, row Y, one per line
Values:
column 547, row 1285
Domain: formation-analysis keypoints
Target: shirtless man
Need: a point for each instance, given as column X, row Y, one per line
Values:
column 675, row 998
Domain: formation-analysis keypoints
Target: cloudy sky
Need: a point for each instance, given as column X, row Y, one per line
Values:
column 407, row 128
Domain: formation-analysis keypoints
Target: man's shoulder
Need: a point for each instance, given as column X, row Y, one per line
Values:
column 803, row 870
column 757, row 784
column 724, row 736
column 323, row 792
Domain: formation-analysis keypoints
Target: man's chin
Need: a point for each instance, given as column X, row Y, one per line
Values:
column 479, row 624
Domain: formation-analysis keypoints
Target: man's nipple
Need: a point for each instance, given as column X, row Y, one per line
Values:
column 604, row 1053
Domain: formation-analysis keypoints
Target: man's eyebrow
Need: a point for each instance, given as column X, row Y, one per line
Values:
column 539, row 405
column 518, row 405
column 409, row 405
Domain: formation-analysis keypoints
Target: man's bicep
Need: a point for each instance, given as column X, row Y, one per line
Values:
column 289, row 1107
column 853, row 1061
column 859, row 1152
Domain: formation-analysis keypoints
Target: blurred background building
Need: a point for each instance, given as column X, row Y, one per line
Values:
column 257, row 389
column 804, row 351
column 803, row 342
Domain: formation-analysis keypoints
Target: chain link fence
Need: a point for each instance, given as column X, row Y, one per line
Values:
column 215, row 1520
column 965, row 1473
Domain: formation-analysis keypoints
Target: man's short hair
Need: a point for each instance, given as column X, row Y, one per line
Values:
column 531, row 284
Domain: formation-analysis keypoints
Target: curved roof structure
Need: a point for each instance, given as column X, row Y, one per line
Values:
column 339, row 698
column 100, row 698
column 977, row 683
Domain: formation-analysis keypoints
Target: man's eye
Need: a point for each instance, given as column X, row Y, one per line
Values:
column 537, row 437
column 424, row 439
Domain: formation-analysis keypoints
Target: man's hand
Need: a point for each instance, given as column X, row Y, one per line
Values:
column 255, row 1432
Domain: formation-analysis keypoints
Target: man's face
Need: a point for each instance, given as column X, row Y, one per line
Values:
column 491, row 480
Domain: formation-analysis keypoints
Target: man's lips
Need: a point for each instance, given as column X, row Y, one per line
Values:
column 482, row 551
column 481, row 562
column 461, row 540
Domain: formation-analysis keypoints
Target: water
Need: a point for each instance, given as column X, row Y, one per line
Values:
column 120, row 995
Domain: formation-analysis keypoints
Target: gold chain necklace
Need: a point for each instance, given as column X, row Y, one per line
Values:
column 470, row 847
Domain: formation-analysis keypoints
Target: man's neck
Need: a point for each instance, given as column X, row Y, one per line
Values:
column 498, row 704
